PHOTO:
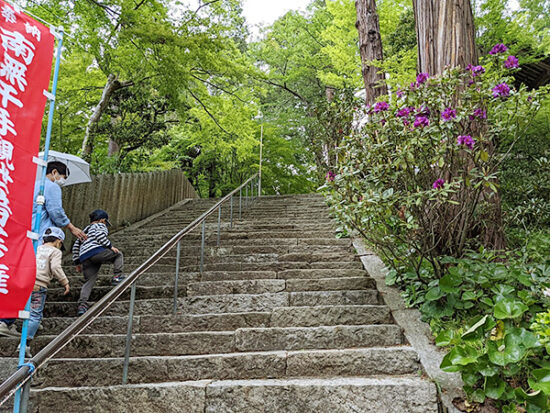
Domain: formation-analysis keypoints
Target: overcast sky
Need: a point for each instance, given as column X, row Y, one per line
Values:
column 265, row 12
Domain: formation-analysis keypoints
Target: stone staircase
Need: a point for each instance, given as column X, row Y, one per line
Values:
column 283, row 319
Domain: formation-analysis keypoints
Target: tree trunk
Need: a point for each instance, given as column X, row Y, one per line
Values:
column 446, row 34
column 88, row 143
column 114, row 148
column 370, row 48
column 446, row 38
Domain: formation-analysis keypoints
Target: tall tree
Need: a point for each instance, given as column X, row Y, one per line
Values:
column 370, row 48
column 446, row 34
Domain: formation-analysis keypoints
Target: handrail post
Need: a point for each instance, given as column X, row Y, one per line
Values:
column 246, row 200
column 202, row 245
column 231, row 214
column 219, row 223
column 129, row 334
column 240, row 201
column 25, row 397
column 178, row 255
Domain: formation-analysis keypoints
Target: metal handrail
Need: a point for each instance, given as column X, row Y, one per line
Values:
column 26, row 371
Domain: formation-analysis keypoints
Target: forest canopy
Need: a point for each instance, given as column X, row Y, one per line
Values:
column 157, row 84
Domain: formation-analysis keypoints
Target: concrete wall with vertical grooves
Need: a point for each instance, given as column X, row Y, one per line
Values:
column 127, row 197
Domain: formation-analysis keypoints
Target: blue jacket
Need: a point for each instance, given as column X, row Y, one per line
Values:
column 53, row 214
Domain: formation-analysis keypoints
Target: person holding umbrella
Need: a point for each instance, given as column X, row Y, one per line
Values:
column 53, row 215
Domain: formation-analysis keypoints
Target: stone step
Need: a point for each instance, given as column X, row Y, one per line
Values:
column 261, row 286
column 142, row 292
column 279, row 317
column 310, row 274
column 295, row 274
column 326, row 337
column 233, row 254
column 164, row 233
column 329, row 241
column 87, row 372
column 304, row 316
column 216, row 304
column 173, row 323
column 236, row 303
column 324, row 298
column 260, row 254
column 299, row 233
column 208, row 342
column 118, row 308
column 308, row 395
column 266, row 302
column 166, row 273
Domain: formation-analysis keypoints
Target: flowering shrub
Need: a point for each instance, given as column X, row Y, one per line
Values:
column 420, row 182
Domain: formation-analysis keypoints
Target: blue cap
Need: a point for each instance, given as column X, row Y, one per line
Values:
column 99, row 214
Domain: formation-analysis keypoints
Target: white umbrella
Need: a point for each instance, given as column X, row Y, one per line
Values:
column 79, row 169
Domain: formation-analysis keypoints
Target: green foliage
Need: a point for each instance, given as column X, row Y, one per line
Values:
column 419, row 182
column 525, row 30
column 541, row 326
column 499, row 351
column 417, row 192
column 525, row 176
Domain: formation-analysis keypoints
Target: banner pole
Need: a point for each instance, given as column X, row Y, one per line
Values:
column 36, row 224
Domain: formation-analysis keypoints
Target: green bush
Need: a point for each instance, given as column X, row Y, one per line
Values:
column 495, row 344
column 421, row 182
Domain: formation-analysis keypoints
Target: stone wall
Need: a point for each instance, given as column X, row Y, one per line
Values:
column 127, row 197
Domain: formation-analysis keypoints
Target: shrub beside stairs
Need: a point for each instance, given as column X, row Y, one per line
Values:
column 283, row 319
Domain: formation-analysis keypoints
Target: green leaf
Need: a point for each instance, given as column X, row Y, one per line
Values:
column 445, row 338
column 541, row 380
column 487, row 301
column 536, row 398
column 514, row 349
column 484, row 155
column 494, row 387
column 509, row 309
column 434, row 294
column 473, row 328
column 464, row 355
column 449, row 282
column 469, row 296
column 478, row 396
column 448, row 366
column 387, row 193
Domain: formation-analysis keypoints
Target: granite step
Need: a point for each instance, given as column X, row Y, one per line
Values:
column 380, row 394
column 84, row 372
column 207, row 342
column 254, row 286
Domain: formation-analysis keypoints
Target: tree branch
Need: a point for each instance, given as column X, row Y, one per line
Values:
column 285, row 87
column 208, row 3
column 104, row 7
column 208, row 112
column 219, row 87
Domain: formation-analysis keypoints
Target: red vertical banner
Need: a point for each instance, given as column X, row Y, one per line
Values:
column 26, row 53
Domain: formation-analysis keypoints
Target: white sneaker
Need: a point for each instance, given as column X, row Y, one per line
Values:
column 8, row 331
column 27, row 351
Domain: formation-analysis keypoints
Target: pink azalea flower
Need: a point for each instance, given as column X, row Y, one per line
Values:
column 498, row 48
column 448, row 114
column 438, row 183
column 511, row 63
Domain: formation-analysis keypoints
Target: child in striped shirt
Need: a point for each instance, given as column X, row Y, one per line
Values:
column 89, row 255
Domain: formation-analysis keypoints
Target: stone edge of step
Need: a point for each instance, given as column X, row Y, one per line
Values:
column 416, row 331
